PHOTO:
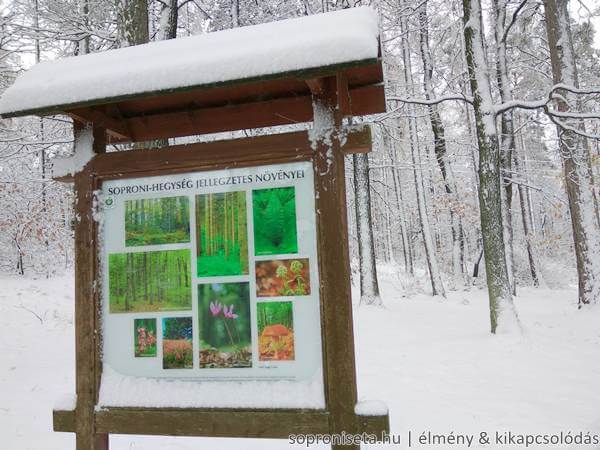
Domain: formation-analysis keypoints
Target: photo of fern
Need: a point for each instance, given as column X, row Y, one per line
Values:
column 282, row 278
column 177, row 343
column 225, row 326
column 274, row 212
column 150, row 281
column 221, row 234
column 157, row 221
column 275, row 331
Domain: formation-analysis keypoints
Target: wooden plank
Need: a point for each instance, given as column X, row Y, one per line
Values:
column 193, row 120
column 212, row 422
column 86, row 303
column 334, row 270
column 235, row 152
column 374, row 425
column 63, row 421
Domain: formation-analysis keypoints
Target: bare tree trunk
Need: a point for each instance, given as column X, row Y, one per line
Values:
column 132, row 22
column 439, row 139
column 369, row 287
column 503, row 316
column 507, row 141
column 406, row 243
column 437, row 286
column 575, row 154
column 169, row 18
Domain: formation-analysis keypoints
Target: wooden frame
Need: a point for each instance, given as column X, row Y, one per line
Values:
column 92, row 427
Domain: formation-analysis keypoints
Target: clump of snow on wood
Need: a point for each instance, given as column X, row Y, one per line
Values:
column 371, row 408
column 66, row 402
column 122, row 390
column 288, row 45
column 83, row 153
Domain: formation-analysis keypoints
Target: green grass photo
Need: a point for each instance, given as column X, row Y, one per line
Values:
column 225, row 325
column 221, row 234
column 144, row 337
column 150, row 281
column 157, row 221
column 274, row 212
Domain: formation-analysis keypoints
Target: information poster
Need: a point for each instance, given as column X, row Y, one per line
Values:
column 212, row 275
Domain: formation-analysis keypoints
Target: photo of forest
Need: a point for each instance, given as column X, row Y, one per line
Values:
column 177, row 343
column 144, row 337
column 274, row 212
column 275, row 331
column 281, row 278
column 224, row 320
column 157, row 221
column 221, row 234
column 150, row 281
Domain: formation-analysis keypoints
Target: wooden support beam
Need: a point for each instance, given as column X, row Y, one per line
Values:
column 101, row 119
column 196, row 121
column 87, row 354
column 334, row 266
column 216, row 422
column 212, row 422
column 236, row 152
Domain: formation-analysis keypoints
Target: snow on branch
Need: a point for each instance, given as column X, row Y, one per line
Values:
column 433, row 101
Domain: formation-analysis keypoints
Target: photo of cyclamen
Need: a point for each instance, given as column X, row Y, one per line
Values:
column 225, row 327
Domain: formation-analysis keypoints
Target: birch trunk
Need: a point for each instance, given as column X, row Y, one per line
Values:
column 369, row 287
column 503, row 317
column 575, row 154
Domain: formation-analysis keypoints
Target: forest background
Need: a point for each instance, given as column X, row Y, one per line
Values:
column 414, row 202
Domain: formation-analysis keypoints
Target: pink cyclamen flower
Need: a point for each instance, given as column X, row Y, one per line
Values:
column 229, row 312
column 215, row 308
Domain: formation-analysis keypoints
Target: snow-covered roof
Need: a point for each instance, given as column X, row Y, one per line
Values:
column 287, row 46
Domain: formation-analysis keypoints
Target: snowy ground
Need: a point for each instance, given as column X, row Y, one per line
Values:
column 432, row 361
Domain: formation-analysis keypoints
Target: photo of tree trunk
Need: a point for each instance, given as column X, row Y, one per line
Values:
column 221, row 234
column 144, row 337
column 225, row 326
column 282, row 278
column 157, row 221
column 274, row 212
column 150, row 281
column 177, row 343
column 275, row 331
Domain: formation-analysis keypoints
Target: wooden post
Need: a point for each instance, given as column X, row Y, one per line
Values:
column 329, row 98
column 87, row 332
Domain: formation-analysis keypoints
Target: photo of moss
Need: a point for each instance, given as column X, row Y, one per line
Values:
column 274, row 212
column 157, row 221
column 144, row 337
column 275, row 331
column 225, row 326
column 150, row 281
column 221, row 234
column 281, row 278
column 177, row 343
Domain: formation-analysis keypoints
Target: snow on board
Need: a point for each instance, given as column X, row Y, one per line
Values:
column 284, row 46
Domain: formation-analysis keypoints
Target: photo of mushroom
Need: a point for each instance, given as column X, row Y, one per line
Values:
column 275, row 331
column 282, row 278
